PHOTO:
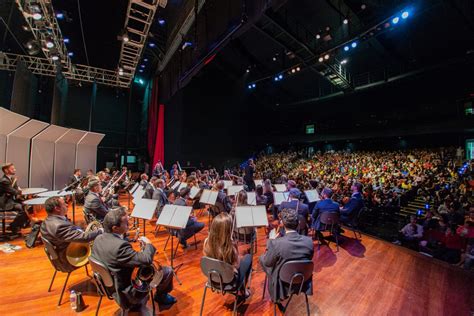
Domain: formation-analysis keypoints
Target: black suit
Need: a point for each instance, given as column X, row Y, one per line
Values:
column 248, row 177
column 160, row 195
column 72, row 179
column 60, row 232
column 223, row 202
column 292, row 246
column 94, row 204
column 119, row 257
column 149, row 190
column 8, row 191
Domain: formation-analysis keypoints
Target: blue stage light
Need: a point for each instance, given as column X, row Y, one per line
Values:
column 405, row 14
column 143, row 66
column 66, row 40
column 151, row 45
column 280, row 77
column 276, row 78
column 70, row 54
column 395, row 20
column 346, row 48
column 161, row 22
column 253, row 85
column 250, row 86
column 145, row 60
column 354, row 44
column 59, row 16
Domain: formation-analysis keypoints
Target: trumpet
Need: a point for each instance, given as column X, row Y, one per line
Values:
column 77, row 253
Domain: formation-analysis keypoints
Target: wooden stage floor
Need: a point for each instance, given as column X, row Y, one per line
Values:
column 368, row 278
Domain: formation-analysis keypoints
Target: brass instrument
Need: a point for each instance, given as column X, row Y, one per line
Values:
column 145, row 278
column 77, row 253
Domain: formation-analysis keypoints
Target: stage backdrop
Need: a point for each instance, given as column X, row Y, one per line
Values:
column 9, row 121
column 65, row 155
column 86, row 157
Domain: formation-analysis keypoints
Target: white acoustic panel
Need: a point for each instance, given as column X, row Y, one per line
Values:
column 42, row 157
column 65, row 157
column 18, row 148
column 9, row 121
column 86, row 151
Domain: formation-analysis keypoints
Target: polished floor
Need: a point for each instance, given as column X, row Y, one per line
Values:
column 371, row 277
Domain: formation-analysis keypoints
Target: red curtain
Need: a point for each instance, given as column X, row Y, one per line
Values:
column 156, row 128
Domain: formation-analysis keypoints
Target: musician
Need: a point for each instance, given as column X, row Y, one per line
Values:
column 326, row 205
column 89, row 173
column 295, row 204
column 223, row 202
column 8, row 191
column 150, row 188
column 291, row 246
column 76, row 176
column 226, row 176
column 94, row 203
column 117, row 254
column 160, row 195
column 355, row 204
column 219, row 245
column 125, row 180
column 245, row 234
column 192, row 226
column 174, row 170
column 110, row 199
column 248, row 177
column 158, row 170
column 58, row 230
column 143, row 180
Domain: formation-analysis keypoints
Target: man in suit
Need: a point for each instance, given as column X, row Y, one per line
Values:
column 248, row 177
column 160, row 195
column 192, row 226
column 352, row 208
column 143, row 180
column 8, row 191
column 296, row 204
column 291, row 246
column 75, row 176
column 326, row 205
column 222, row 202
column 150, row 188
column 94, row 203
column 58, row 230
column 116, row 253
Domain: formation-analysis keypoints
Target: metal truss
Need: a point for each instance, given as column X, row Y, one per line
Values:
column 140, row 14
column 45, row 67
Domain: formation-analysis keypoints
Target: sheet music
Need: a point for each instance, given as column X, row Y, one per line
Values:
column 258, row 182
column 194, row 191
column 312, row 195
column 144, row 208
column 251, row 198
column 166, row 215
column 259, row 214
column 280, row 187
column 234, row 189
column 279, row 197
column 227, row 183
column 243, row 216
column 137, row 195
column 182, row 185
column 209, row 197
column 174, row 216
column 135, row 186
column 175, row 185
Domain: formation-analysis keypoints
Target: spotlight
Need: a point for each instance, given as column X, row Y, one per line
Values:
column 274, row 59
column 143, row 66
column 66, row 40
column 280, row 77
column 345, row 21
column 326, row 56
column 29, row 46
column 140, row 70
column 70, row 54
column 346, row 48
column 344, row 61
column 25, row 28
column 248, row 70
column 298, row 68
column 125, row 37
column 186, row 44
column 363, row 6
column 120, row 71
column 276, row 78
column 59, row 16
column 151, row 45
column 55, row 57
column 145, row 60
column 140, row 81
column 37, row 16
column 253, row 85
column 318, row 36
column 250, row 86
column 395, row 20
column 49, row 44
column 321, row 59
column 293, row 70
column 405, row 14
column 354, row 45
column 161, row 22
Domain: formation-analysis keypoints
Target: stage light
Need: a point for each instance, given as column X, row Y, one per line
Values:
column 248, row 70
column 280, row 77
column 363, row 6
column 293, row 70
column 276, row 78
column 143, row 66
column 59, row 16
column 354, row 45
column 125, row 37
column 140, row 70
column 120, row 72
column 344, row 61
column 140, row 81
column 395, row 20
column 145, row 60
column 186, row 44
column 55, row 57
column 346, row 48
column 405, row 14
column 161, row 22
column 37, row 16
column 321, row 59
column 29, row 46
column 49, row 44
column 318, row 36
column 298, row 68
column 345, row 21
column 66, row 40
column 25, row 28
column 70, row 54
column 151, row 45
column 326, row 56
column 253, row 85
column 250, row 86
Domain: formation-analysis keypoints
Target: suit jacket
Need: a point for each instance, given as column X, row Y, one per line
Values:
column 93, row 203
column 303, row 209
column 223, row 202
column 119, row 257
column 292, row 246
column 149, row 190
column 323, row 206
column 61, row 232
column 7, row 193
column 72, row 179
column 160, row 195
column 353, row 206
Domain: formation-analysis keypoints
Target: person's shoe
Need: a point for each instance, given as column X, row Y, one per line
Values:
column 165, row 299
column 397, row 242
column 280, row 306
column 184, row 245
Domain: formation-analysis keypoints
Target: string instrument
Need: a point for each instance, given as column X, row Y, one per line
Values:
column 109, row 189
column 108, row 185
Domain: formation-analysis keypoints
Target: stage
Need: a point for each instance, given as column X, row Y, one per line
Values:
column 368, row 277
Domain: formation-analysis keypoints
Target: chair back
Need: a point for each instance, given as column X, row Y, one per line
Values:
column 302, row 224
column 218, row 273
column 50, row 250
column 329, row 218
column 296, row 273
column 88, row 216
column 103, row 278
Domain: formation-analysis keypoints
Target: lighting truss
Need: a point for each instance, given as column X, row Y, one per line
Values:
column 139, row 19
column 45, row 67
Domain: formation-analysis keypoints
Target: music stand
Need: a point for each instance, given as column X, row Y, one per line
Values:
column 280, row 187
column 251, row 198
column 144, row 209
column 312, row 195
column 279, row 197
column 130, row 192
column 174, row 217
column 234, row 189
column 209, row 197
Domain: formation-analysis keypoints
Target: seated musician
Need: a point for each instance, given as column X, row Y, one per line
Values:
column 222, row 202
column 143, row 180
column 58, row 230
column 295, row 204
column 260, row 198
column 76, row 176
column 355, row 204
column 8, row 192
column 110, row 198
column 94, row 203
column 117, row 254
column 326, row 205
column 192, row 226
column 160, row 195
column 291, row 246
column 219, row 245
column 150, row 188
column 245, row 234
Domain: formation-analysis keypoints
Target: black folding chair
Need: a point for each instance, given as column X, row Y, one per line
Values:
column 330, row 220
column 221, row 278
column 295, row 274
column 354, row 223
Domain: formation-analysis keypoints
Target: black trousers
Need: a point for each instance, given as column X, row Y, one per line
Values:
column 20, row 219
column 166, row 284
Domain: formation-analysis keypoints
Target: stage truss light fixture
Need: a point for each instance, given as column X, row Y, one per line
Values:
column 395, row 20
column 321, row 59
column 345, row 21
column 326, row 56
